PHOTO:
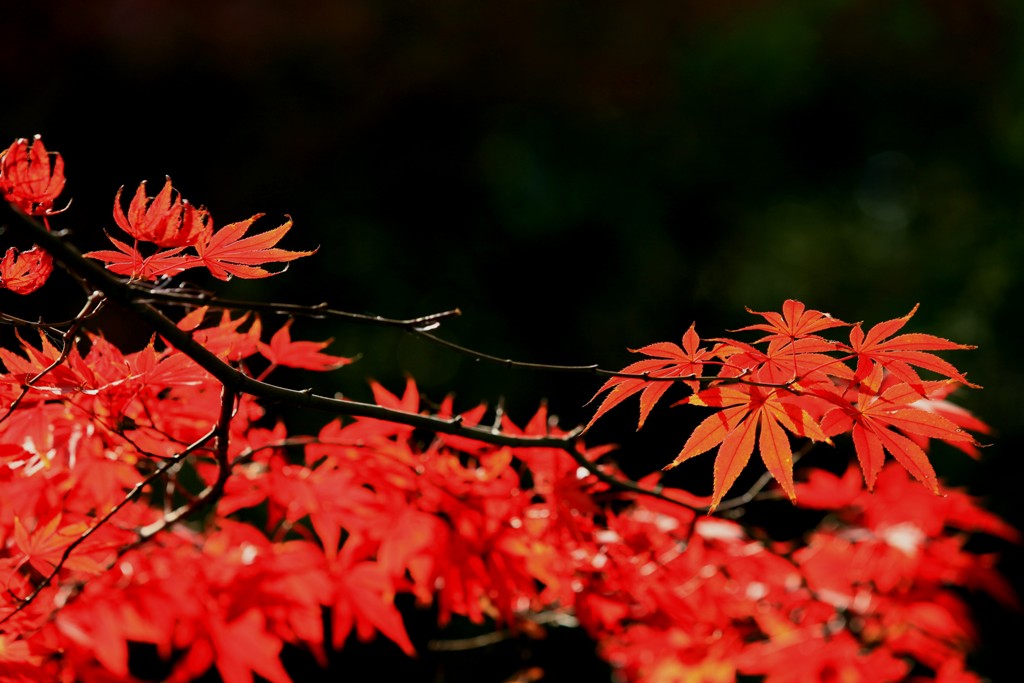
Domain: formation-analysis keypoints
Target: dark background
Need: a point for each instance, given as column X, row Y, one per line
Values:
column 578, row 177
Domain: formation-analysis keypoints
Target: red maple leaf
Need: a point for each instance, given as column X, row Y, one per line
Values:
column 18, row 662
column 799, row 361
column 27, row 179
column 373, row 428
column 934, row 401
column 228, row 252
column 794, row 322
column 871, row 417
column 244, row 647
column 826, row 491
column 667, row 360
column 797, row 656
column 299, row 354
column 69, row 376
column 167, row 222
column 44, row 547
column 748, row 409
column 365, row 601
column 897, row 354
column 25, row 272
column 128, row 260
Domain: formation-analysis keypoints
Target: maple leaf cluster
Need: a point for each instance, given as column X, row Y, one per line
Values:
column 30, row 183
column 152, row 497
column 795, row 381
column 171, row 224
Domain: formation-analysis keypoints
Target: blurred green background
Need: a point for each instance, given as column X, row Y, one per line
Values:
column 578, row 178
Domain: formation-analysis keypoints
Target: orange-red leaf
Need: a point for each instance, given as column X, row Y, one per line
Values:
column 228, row 252
column 168, row 220
column 25, row 272
column 897, row 354
column 365, row 601
column 795, row 322
column 299, row 354
column 127, row 260
column 667, row 361
column 872, row 415
column 776, row 453
column 910, row 455
column 44, row 547
column 709, row 433
column 744, row 408
column 27, row 179
column 733, row 455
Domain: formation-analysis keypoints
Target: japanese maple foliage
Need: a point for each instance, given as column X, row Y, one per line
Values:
column 176, row 224
column 148, row 498
column 794, row 380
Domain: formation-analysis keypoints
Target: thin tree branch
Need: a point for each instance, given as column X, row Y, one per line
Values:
column 52, row 328
column 550, row 617
column 321, row 311
column 237, row 382
column 593, row 368
column 212, row 492
column 105, row 283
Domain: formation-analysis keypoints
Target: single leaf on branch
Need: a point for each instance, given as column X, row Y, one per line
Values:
column 745, row 409
column 365, row 603
column 934, row 401
column 795, row 322
column 167, row 221
column 876, row 409
column 43, row 368
column 28, row 180
column 128, row 260
column 667, row 360
column 25, row 272
column 299, row 354
column 227, row 252
column 900, row 354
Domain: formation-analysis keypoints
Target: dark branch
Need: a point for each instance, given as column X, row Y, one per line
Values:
column 322, row 311
column 237, row 382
